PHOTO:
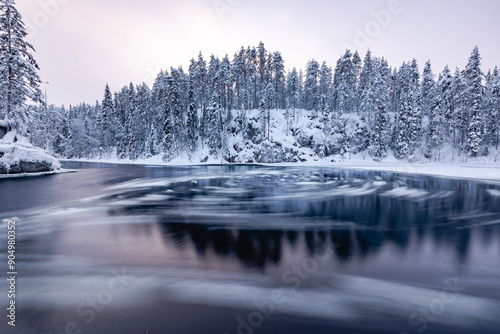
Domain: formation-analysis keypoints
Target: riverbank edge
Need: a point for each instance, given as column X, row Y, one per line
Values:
column 473, row 171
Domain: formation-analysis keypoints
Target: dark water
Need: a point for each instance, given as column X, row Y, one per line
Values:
column 247, row 249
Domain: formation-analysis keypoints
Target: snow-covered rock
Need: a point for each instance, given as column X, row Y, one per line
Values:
column 18, row 156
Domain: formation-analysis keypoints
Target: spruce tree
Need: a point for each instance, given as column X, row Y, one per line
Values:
column 214, row 136
column 492, row 108
column 107, row 123
column 19, row 80
column 325, row 86
column 293, row 91
column 436, row 131
column 192, row 120
column 428, row 89
column 311, row 90
column 365, row 101
column 473, row 77
column 381, row 101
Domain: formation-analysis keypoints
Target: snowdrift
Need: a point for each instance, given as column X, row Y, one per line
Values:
column 18, row 156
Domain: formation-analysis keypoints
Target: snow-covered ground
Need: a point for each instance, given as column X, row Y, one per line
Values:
column 18, row 156
column 476, row 171
column 283, row 145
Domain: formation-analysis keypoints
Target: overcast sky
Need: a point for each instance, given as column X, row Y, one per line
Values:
column 83, row 44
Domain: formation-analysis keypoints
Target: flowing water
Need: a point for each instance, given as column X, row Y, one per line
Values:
column 251, row 249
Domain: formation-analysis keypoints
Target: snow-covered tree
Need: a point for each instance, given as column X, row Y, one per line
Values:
column 107, row 123
column 436, row 130
column 345, row 85
column 325, row 89
column 19, row 79
column 382, row 102
column 473, row 77
column 311, row 90
column 492, row 113
column 192, row 120
column 213, row 137
column 278, row 72
column 365, row 108
column 365, row 102
column 428, row 89
column 293, row 91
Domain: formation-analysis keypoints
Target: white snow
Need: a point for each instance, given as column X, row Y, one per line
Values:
column 16, row 148
column 282, row 142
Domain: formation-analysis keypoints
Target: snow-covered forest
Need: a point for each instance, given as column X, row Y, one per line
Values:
column 252, row 109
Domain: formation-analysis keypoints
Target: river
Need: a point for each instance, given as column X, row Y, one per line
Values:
column 128, row 249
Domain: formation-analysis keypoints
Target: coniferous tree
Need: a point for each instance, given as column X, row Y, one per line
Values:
column 168, row 129
column 473, row 77
column 201, row 81
column 293, row 91
column 381, row 101
column 445, row 89
column 391, row 108
column 192, row 120
column 325, row 86
column 436, row 128
column 311, row 90
column 107, row 123
column 213, row 126
column 345, row 85
column 366, row 103
column 19, row 80
column 278, row 70
column 428, row 89
column 176, row 110
column 415, row 115
column 493, row 110
column 460, row 115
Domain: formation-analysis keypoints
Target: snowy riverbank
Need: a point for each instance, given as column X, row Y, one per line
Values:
column 18, row 157
column 474, row 170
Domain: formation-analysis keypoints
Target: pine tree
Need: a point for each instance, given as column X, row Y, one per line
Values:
column 428, row 89
column 278, row 70
column 473, row 76
column 238, row 74
column 214, row 137
column 382, row 101
column 474, row 137
column 252, row 78
column 192, row 120
column 436, row 131
column 492, row 109
column 415, row 111
column 139, row 127
column 201, row 81
column 460, row 114
column 311, row 90
column 325, row 86
column 176, row 109
column 402, row 144
column 344, row 85
column 293, row 91
column 262, row 67
column 169, row 137
column 445, row 89
column 366, row 103
column 225, row 82
column 107, row 123
column 19, row 80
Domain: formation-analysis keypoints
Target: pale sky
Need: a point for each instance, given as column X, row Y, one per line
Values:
column 83, row 44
